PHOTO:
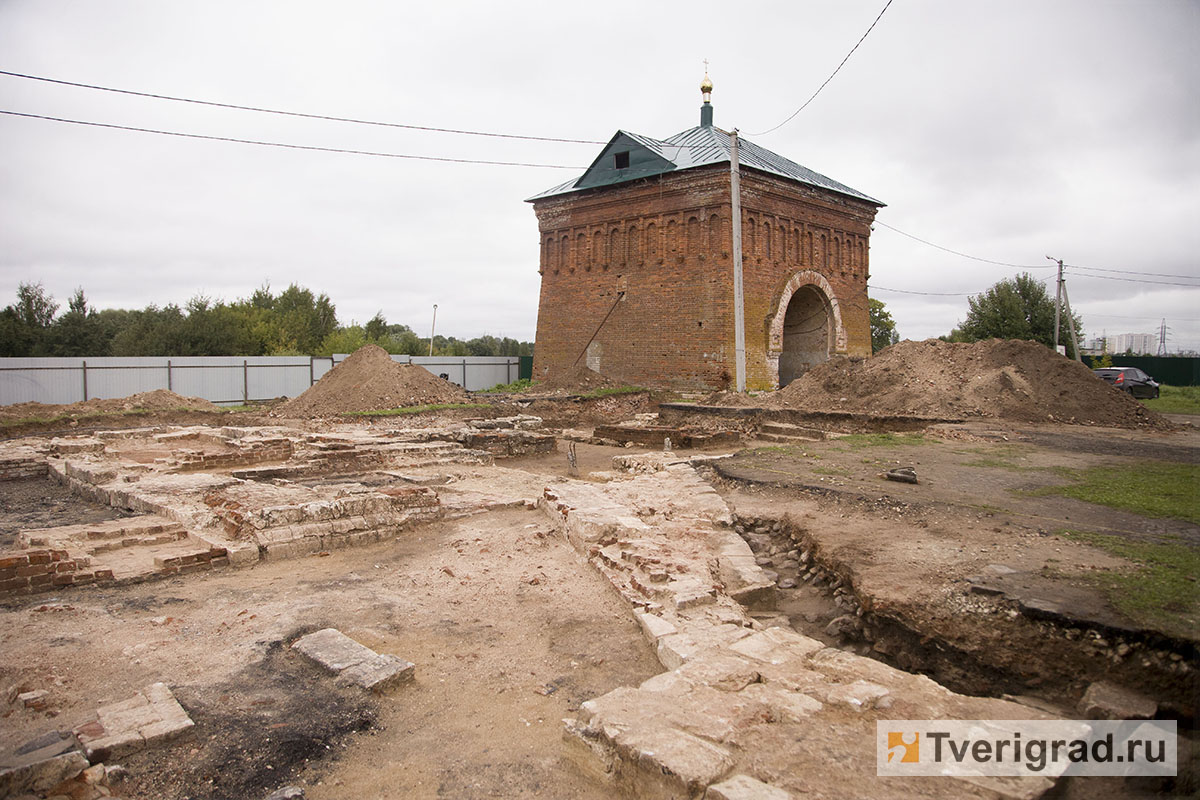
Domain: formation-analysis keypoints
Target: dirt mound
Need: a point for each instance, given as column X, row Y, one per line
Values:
column 1003, row 378
column 576, row 380
column 369, row 380
column 157, row 400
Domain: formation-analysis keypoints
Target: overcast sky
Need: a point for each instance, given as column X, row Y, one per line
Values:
column 1007, row 131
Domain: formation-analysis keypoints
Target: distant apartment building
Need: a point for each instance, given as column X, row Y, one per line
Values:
column 1136, row 343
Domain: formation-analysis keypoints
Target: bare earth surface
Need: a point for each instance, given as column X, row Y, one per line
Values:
column 509, row 630
column 516, row 618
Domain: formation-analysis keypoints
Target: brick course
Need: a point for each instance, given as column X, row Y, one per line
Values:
column 666, row 242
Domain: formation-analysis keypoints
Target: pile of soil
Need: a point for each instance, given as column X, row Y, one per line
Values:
column 369, row 380
column 576, row 380
column 157, row 400
column 1003, row 378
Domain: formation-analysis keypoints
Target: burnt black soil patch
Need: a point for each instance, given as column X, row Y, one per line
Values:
column 273, row 723
column 42, row 503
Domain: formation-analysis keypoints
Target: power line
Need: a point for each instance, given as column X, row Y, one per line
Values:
column 1138, row 280
column 929, row 294
column 1151, row 316
column 827, row 80
column 964, row 255
column 944, row 294
column 1133, row 272
column 1052, row 266
column 296, row 113
column 284, row 145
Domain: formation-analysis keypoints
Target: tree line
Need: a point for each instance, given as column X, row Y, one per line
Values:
column 1016, row 308
column 294, row 322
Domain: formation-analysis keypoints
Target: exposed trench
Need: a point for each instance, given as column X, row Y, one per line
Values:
column 818, row 595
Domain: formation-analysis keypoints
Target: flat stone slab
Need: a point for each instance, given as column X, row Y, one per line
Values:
column 151, row 716
column 1104, row 700
column 743, row 787
column 354, row 663
column 40, row 764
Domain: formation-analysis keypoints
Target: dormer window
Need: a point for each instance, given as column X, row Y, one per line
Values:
column 621, row 160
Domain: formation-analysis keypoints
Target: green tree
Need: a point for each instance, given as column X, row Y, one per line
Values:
column 883, row 327
column 377, row 328
column 24, row 325
column 343, row 340
column 1016, row 308
column 304, row 318
column 77, row 332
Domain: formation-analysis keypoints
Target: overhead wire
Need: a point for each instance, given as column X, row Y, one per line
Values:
column 1140, row 280
column 1133, row 272
column 965, row 255
column 831, row 76
column 286, row 145
column 327, row 117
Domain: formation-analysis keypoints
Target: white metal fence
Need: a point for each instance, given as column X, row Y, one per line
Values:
column 221, row 379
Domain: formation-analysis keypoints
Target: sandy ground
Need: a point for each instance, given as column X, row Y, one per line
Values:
column 509, row 629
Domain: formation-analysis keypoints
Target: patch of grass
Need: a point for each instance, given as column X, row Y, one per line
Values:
column 861, row 440
column 516, row 387
column 1000, row 456
column 997, row 462
column 397, row 412
column 1152, row 489
column 1162, row 590
column 612, row 390
column 94, row 416
column 780, row 449
column 1176, row 400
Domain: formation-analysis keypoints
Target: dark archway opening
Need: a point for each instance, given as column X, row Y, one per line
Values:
column 806, row 333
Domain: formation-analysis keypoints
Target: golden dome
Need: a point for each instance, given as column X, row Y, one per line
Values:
column 706, row 84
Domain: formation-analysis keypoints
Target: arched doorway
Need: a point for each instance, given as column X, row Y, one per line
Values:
column 806, row 328
column 806, row 334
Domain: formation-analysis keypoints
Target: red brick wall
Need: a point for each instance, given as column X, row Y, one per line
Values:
column 666, row 243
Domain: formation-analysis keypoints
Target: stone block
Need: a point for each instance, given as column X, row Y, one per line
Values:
column 1104, row 700
column 777, row 646
column 654, row 626
column 675, row 649
column 150, row 716
column 743, row 787
column 40, row 764
column 379, row 673
column 117, row 745
column 859, row 696
column 332, row 649
column 787, row 705
column 357, row 664
column 689, row 762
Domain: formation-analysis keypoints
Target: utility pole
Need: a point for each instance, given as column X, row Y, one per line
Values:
column 1071, row 324
column 739, row 311
column 432, row 327
column 1162, row 338
column 1058, row 293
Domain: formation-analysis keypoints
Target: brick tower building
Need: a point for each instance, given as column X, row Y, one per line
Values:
column 637, row 264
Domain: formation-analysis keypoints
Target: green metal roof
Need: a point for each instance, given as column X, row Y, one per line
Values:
column 695, row 147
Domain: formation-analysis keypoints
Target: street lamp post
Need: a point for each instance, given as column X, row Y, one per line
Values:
column 432, row 327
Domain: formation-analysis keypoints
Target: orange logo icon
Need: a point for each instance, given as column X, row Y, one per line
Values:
column 909, row 751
